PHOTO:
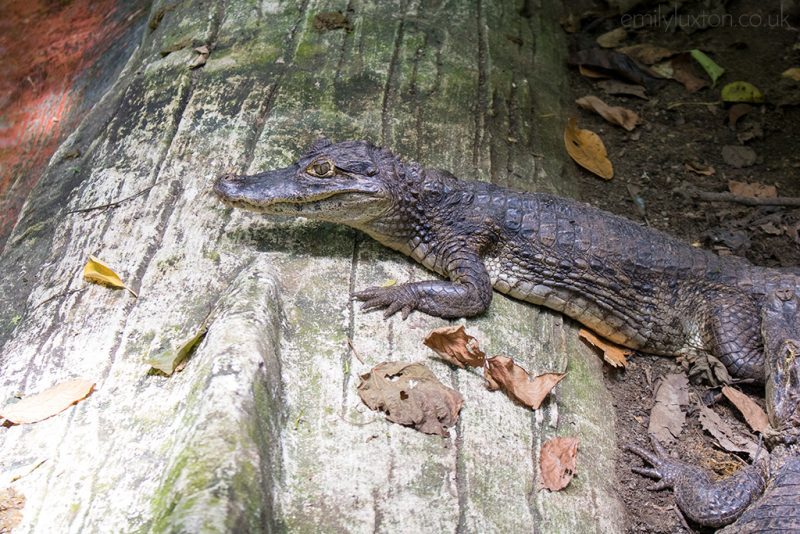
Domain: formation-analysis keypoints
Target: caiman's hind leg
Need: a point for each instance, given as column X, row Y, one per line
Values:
column 732, row 333
column 707, row 502
column 717, row 503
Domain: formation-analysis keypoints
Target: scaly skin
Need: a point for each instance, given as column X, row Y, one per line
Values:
column 637, row 287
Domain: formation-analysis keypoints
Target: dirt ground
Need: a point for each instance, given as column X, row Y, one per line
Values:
column 653, row 184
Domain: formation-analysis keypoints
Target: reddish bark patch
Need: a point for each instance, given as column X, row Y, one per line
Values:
column 45, row 46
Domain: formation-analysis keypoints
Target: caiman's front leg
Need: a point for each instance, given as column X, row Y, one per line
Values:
column 468, row 293
column 705, row 501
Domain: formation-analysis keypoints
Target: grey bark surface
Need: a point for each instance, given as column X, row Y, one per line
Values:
column 263, row 429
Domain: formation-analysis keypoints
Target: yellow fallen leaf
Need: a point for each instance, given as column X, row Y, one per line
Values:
column 793, row 74
column 588, row 150
column 614, row 355
column 614, row 114
column 742, row 92
column 389, row 283
column 49, row 402
column 98, row 272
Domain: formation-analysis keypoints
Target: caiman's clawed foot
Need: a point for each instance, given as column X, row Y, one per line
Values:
column 707, row 502
column 391, row 299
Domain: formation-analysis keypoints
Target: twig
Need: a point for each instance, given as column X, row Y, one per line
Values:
column 747, row 201
column 118, row 202
column 355, row 353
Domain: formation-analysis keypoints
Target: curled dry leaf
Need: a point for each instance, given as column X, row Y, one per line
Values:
column 98, row 272
column 754, row 190
column 752, row 412
column 614, row 64
column 703, row 169
column 792, row 73
column 592, row 74
column 685, row 72
column 167, row 359
column 667, row 416
column 49, row 402
column 588, row 150
column 614, row 355
column 613, row 114
column 502, row 373
column 558, row 459
column 613, row 38
column 736, row 112
column 454, row 345
column 411, row 395
column 201, row 58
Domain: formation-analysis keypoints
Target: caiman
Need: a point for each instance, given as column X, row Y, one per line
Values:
column 635, row 286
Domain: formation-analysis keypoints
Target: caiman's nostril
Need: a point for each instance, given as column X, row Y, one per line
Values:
column 228, row 178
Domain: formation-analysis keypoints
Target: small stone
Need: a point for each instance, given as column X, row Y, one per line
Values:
column 738, row 156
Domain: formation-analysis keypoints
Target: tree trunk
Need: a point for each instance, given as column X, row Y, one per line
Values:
column 263, row 430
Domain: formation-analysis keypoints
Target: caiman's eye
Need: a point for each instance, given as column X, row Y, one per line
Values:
column 321, row 169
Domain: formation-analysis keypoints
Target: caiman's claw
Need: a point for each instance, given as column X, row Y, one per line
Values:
column 702, row 499
column 394, row 299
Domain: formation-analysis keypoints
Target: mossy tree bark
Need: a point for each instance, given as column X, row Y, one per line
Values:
column 263, row 429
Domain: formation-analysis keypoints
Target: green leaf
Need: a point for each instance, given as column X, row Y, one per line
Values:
column 167, row 360
column 742, row 92
column 713, row 70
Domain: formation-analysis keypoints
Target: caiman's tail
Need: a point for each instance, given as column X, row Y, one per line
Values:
column 778, row 510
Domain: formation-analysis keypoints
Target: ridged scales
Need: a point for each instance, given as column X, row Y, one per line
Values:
column 633, row 285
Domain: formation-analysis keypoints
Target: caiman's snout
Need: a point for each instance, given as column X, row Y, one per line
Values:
column 226, row 184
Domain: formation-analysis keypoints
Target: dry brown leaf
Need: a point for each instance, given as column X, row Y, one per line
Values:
column 49, row 402
column 11, row 505
column 667, row 416
column 727, row 438
column 613, row 87
column 614, row 114
column 201, row 58
column 592, row 74
column 411, row 395
column 614, row 355
column 613, row 38
column 502, row 373
column 736, row 112
column 558, row 459
column 754, row 190
column 792, row 73
column 453, row 344
column 98, row 272
column 587, row 149
column 685, row 72
column 752, row 412
column 646, row 53
column 703, row 169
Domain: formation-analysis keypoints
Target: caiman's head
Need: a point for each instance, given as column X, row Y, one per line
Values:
column 332, row 182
